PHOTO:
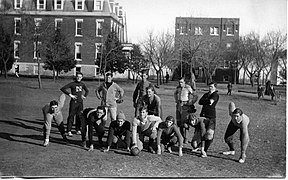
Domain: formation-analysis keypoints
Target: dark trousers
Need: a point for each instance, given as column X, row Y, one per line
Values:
column 75, row 108
column 230, row 131
column 88, row 124
column 169, row 140
column 112, row 134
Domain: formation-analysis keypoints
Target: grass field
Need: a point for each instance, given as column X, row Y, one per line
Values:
column 22, row 153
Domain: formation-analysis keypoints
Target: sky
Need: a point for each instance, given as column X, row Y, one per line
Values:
column 260, row 16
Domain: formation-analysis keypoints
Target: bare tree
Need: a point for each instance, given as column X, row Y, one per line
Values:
column 275, row 44
column 210, row 57
column 158, row 49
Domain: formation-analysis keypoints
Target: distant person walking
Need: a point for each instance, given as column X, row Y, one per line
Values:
column 238, row 121
column 52, row 111
column 229, row 87
column 260, row 91
column 209, row 101
column 76, row 103
column 110, row 93
column 167, row 77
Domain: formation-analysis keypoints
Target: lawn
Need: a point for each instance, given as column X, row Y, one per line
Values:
column 22, row 153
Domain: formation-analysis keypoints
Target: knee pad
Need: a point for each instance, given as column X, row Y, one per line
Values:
column 209, row 135
column 115, row 139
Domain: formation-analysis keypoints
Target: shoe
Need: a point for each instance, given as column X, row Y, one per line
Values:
column 242, row 159
column 150, row 149
column 203, row 154
column 46, row 142
column 78, row 132
column 195, row 150
column 185, row 141
column 169, row 149
column 229, row 153
column 91, row 148
column 70, row 134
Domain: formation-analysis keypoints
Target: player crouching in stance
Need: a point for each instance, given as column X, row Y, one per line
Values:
column 200, row 124
column 93, row 118
column 52, row 111
column 238, row 121
column 119, row 130
column 144, row 125
column 168, row 135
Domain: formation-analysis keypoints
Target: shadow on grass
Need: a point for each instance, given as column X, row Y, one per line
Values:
column 9, row 136
column 210, row 154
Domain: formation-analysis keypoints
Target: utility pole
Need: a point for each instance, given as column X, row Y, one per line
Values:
column 38, row 62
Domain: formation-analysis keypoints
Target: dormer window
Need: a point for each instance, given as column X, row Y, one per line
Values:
column 58, row 4
column 18, row 4
column 98, row 5
column 41, row 4
column 79, row 4
column 214, row 31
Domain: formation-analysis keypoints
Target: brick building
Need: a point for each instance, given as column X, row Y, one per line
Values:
column 86, row 24
column 222, row 30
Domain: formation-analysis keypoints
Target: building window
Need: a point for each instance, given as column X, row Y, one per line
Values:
column 41, row 4
column 181, row 30
column 99, row 27
column 230, row 31
column 36, row 52
column 78, row 51
column 98, row 5
column 214, row 31
column 18, row 4
column 16, row 49
column 79, row 4
column 226, row 64
column 78, row 69
column 79, row 24
column 225, row 78
column 58, row 24
column 37, row 25
column 236, row 28
column 198, row 31
column 116, row 9
column 58, row 4
column 98, row 53
column 228, row 45
column 17, row 26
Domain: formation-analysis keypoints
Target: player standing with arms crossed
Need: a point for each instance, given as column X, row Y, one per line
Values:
column 209, row 101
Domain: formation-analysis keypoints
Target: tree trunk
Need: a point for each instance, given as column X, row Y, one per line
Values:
column 53, row 73
column 39, row 75
column 192, row 78
column 243, row 81
column 157, row 74
column 5, row 68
